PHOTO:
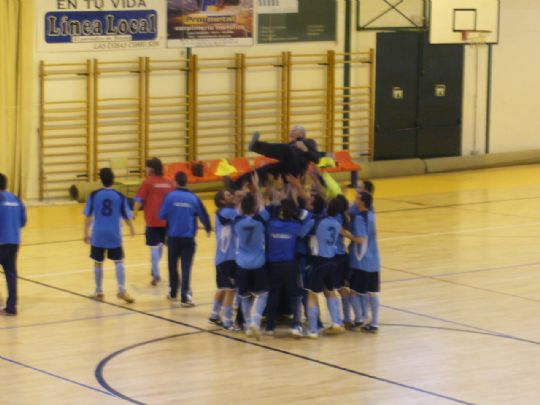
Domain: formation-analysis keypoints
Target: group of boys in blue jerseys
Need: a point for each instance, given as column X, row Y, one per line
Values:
column 180, row 207
column 291, row 250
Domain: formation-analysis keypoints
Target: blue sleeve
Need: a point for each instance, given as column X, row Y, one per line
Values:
column 89, row 208
column 360, row 227
column 164, row 210
column 265, row 215
column 23, row 214
column 203, row 215
column 126, row 211
column 306, row 227
column 138, row 199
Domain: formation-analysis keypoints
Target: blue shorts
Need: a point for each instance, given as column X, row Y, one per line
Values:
column 364, row 281
column 321, row 275
column 98, row 254
column 155, row 236
column 341, row 275
column 226, row 275
column 251, row 281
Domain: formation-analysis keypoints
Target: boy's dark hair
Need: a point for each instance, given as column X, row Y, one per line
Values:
column 106, row 176
column 369, row 186
column 334, row 207
column 367, row 199
column 3, row 182
column 181, row 179
column 288, row 209
column 156, row 165
column 249, row 204
column 318, row 204
column 218, row 198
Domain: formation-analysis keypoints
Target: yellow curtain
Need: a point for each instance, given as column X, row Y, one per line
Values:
column 16, row 107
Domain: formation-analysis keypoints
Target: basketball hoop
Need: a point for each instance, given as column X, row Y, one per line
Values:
column 474, row 37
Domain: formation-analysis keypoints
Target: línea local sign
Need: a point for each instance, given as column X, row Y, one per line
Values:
column 65, row 27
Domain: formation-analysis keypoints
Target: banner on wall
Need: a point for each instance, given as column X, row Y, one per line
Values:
column 101, row 25
column 197, row 23
column 313, row 20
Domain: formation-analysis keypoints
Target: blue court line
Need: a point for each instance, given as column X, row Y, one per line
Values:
column 442, row 280
column 56, row 376
column 421, row 277
column 292, row 354
column 102, row 364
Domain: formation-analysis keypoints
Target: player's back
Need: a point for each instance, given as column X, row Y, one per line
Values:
column 12, row 218
column 225, row 246
column 250, row 242
column 324, row 241
column 366, row 259
column 108, row 207
column 153, row 192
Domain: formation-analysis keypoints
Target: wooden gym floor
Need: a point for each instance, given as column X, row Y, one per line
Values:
column 460, row 314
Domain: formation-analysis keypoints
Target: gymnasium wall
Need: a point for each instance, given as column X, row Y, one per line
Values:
column 514, row 121
column 515, row 118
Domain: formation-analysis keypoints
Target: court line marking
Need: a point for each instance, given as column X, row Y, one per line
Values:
column 426, row 207
column 440, row 279
column 236, row 339
column 457, row 273
column 18, row 363
column 103, row 363
column 98, row 372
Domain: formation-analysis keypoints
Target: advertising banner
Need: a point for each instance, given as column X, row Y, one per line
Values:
column 101, row 25
column 313, row 20
column 196, row 23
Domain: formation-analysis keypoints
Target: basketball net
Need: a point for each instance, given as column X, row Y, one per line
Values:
column 474, row 37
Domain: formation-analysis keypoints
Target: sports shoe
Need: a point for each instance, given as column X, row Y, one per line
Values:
column 155, row 281
column 370, row 328
column 269, row 332
column 249, row 333
column 5, row 312
column 297, row 332
column 97, row 296
column 335, row 329
column 215, row 321
column 358, row 324
column 187, row 304
column 255, row 331
column 170, row 298
column 312, row 335
column 123, row 295
column 348, row 325
column 254, row 139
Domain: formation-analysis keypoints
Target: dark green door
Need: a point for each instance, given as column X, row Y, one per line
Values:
column 418, row 97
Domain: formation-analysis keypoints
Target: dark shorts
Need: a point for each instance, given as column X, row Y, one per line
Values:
column 251, row 281
column 341, row 275
column 321, row 275
column 98, row 254
column 226, row 275
column 364, row 281
column 155, row 236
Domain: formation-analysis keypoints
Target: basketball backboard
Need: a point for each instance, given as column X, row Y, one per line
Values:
column 464, row 21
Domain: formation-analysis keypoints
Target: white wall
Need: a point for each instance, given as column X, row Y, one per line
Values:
column 515, row 115
column 514, row 119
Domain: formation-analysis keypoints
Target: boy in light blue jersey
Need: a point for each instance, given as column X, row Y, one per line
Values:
column 323, row 245
column 225, row 255
column 364, row 261
column 104, row 210
column 252, row 278
column 342, row 262
column 180, row 209
column 283, row 269
column 12, row 219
